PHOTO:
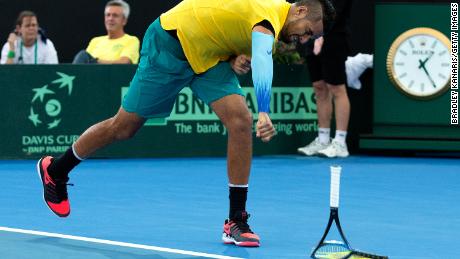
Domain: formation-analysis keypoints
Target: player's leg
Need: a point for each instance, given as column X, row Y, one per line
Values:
column 122, row 126
column 54, row 172
column 219, row 88
column 152, row 92
column 119, row 127
column 234, row 114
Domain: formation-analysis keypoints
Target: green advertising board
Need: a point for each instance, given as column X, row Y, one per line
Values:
column 46, row 107
column 410, row 118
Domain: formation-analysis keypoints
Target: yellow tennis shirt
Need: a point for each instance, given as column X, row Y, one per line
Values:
column 213, row 30
column 112, row 49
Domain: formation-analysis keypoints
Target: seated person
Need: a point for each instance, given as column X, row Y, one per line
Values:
column 28, row 44
column 116, row 47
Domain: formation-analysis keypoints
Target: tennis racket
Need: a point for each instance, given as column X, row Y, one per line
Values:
column 335, row 249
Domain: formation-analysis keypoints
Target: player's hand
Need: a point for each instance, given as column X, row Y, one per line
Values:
column 318, row 45
column 11, row 40
column 264, row 128
column 241, row 64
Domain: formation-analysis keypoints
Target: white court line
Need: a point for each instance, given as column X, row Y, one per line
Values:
column 116, row 243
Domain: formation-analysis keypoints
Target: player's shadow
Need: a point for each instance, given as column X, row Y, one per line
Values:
column 64, row 248
column 236, row 251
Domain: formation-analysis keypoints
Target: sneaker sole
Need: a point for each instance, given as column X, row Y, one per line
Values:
column 326, row 156
column 43, row 186
column 306, row 154
column 229, row 240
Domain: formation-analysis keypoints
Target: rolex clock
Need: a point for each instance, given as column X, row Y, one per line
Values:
column 418, row 63
column 412, row 75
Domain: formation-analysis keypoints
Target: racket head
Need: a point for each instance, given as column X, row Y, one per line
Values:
column 332, row 249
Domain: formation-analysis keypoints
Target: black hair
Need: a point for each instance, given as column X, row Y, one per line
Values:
column 320, row 9
column 329, row 15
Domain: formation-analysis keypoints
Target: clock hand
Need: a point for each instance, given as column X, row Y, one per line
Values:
column 422, row 65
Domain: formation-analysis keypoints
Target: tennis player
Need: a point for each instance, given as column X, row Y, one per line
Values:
column 202, row 44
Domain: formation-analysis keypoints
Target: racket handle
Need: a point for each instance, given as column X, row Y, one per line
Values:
column 335, row 185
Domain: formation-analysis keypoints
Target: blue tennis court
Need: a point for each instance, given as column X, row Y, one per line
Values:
column 175, row 208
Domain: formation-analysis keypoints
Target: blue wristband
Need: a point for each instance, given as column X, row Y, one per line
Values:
column 262, row 68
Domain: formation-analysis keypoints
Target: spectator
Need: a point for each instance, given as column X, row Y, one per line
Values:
column 326, row 64
column 27, row 44
column 116, row 47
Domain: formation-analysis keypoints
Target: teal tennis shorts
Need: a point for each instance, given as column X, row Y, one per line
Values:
column 163, row 71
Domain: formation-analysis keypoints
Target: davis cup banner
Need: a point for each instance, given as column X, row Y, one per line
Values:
column 46, row 108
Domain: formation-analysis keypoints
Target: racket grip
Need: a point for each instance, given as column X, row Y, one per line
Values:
column 335, row 185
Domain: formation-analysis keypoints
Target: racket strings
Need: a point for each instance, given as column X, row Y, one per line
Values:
column 332, row 251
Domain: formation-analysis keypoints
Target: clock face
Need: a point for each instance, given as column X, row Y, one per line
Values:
column 418, row 63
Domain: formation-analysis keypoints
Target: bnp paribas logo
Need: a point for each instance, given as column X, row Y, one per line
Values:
column 45, row 106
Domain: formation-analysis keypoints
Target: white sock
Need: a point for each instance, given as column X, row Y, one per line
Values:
column 238, row 185
column 75, row 154
column 324, row 135
column 340, row 136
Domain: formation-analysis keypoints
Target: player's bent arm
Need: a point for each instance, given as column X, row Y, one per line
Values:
column 262, row 65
